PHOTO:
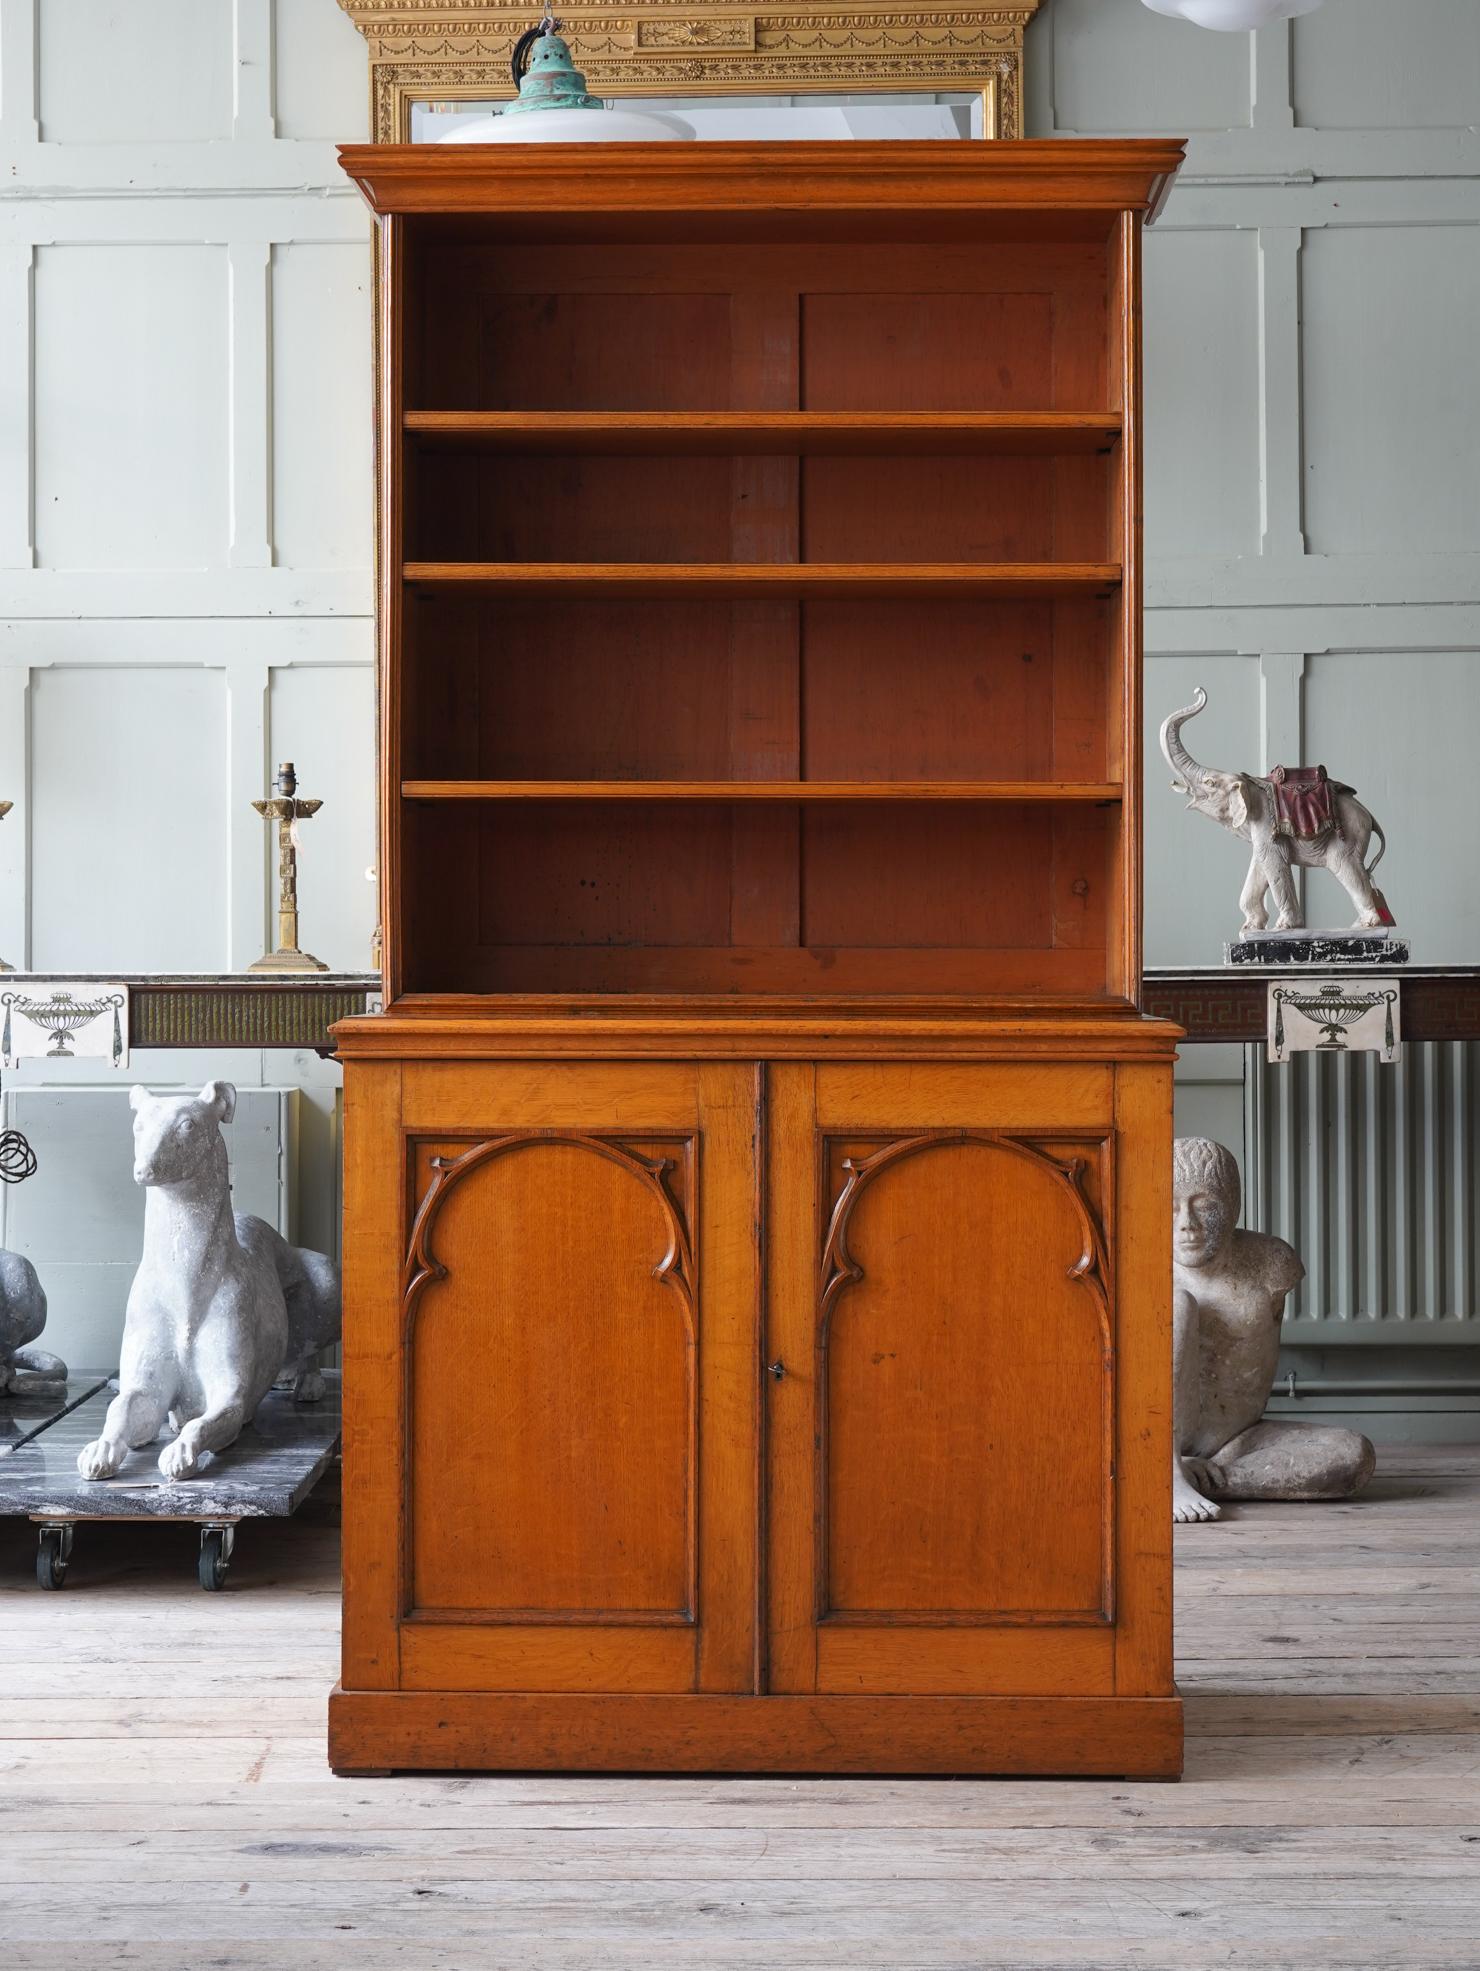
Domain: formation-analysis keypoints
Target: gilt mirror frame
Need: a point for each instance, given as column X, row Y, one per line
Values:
column 459, row 50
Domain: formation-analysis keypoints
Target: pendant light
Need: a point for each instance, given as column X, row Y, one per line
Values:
column 1232, row 16
column 552, row 106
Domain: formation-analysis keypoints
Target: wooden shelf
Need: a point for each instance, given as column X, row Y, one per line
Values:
column 760, row 581
column 1099, row 792
column 807, row 432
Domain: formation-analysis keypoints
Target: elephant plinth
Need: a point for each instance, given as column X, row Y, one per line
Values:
column 1321, row 948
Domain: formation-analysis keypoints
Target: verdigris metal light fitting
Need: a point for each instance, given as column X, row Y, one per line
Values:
column 553, row 106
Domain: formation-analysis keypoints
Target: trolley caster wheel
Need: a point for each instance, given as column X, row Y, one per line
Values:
column 53, row 1551
column 216, row 1543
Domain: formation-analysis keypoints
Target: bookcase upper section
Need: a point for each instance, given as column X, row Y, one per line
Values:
column 760, row 570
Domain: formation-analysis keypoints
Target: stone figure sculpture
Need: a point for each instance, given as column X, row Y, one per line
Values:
column 1294, row 815
column 25, row 1371
column 1228, row 1293
column 221, row 1305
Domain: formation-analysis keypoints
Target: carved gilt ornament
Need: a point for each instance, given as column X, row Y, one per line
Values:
column 459, row 50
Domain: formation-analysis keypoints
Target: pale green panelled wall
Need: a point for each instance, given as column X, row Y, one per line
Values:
column 185, row 591
column 1313, row 556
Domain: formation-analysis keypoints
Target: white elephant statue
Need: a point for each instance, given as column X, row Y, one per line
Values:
column 1291, row 816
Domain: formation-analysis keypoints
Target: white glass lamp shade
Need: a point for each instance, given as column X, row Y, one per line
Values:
column 573, row 126
column 1232, row 16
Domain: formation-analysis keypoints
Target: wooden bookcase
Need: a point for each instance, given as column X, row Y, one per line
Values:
column 756, row 1335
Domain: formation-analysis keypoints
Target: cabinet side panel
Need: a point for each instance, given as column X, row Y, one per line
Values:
column 374, row 1425
column 1124, row 953
column 1143, row 1106
column 391, row 532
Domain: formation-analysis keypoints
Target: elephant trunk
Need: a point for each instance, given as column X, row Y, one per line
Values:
column 1192, row 778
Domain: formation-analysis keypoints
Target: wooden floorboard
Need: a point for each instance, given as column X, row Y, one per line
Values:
column 164, row 1801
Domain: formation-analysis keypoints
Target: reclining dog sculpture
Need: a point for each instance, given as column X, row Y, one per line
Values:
column 221, row 1305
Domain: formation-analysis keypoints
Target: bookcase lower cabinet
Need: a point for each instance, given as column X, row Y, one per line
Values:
column 723, row 1414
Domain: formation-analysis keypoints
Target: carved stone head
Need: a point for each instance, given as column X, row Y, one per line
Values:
column 1205, row 1200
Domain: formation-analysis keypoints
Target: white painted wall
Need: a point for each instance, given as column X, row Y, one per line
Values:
column 185, row 539
column 185, row 492
column 1313, row 437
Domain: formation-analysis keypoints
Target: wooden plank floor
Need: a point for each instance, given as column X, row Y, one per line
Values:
column 164, row 1800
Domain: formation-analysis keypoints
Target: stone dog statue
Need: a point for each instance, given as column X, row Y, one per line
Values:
column 221, row 1305
column 25, row 1371
column 1228, row 1293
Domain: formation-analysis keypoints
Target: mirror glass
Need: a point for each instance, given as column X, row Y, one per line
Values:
column 767, row 119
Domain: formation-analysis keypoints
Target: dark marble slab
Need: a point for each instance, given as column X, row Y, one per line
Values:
column 1326, row 948
column 24, row 1416
column 267, row 1473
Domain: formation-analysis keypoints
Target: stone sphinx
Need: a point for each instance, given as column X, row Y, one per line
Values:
column 1228, row 1294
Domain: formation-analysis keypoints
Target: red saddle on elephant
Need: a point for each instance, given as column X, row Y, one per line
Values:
column 1305, row 803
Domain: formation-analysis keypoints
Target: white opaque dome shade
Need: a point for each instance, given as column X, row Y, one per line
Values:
column 1232, row 16
column 573, row 126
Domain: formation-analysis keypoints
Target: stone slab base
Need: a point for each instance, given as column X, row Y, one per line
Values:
column 1317, row 948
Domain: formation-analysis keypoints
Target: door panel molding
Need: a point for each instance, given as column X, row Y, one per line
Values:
column 1076, row 1169
column 623, row 1251
column 422, row 1267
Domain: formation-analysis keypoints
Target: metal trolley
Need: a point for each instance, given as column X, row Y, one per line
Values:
column 266, row 1474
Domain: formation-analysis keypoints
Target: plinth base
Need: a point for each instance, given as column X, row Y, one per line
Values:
column 283, row 960
column 1317, row 948
column 505, row 1731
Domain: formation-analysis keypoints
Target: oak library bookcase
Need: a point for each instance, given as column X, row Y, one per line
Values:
column 757, row 1343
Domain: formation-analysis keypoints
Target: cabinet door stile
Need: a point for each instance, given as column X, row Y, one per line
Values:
column 791, row 1376
column 729, row 1558
column 1143, row 1459
column 373, row 1535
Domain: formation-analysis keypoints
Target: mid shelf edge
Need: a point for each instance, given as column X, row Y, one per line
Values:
column 1100, row 793
column 807, row 432
column 737, row 579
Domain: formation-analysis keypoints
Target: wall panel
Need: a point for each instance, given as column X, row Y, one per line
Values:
column 322, row 513
column 1371, row 65
column 1119, row 68
column 128, row 835
column 1400, row 727
column 112, row 71
column 1202, row 374
column 321, row 88
column 1392, row 415
column 131, row 385
column 323, row 719
column 1189, row 918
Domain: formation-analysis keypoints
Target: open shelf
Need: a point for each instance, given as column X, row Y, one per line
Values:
column 770, row 581
column 808, row 433
column 1102, row 793
column 762, row 614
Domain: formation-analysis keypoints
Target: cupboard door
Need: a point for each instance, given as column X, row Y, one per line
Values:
column 579, row 1347
column 941, row 1402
